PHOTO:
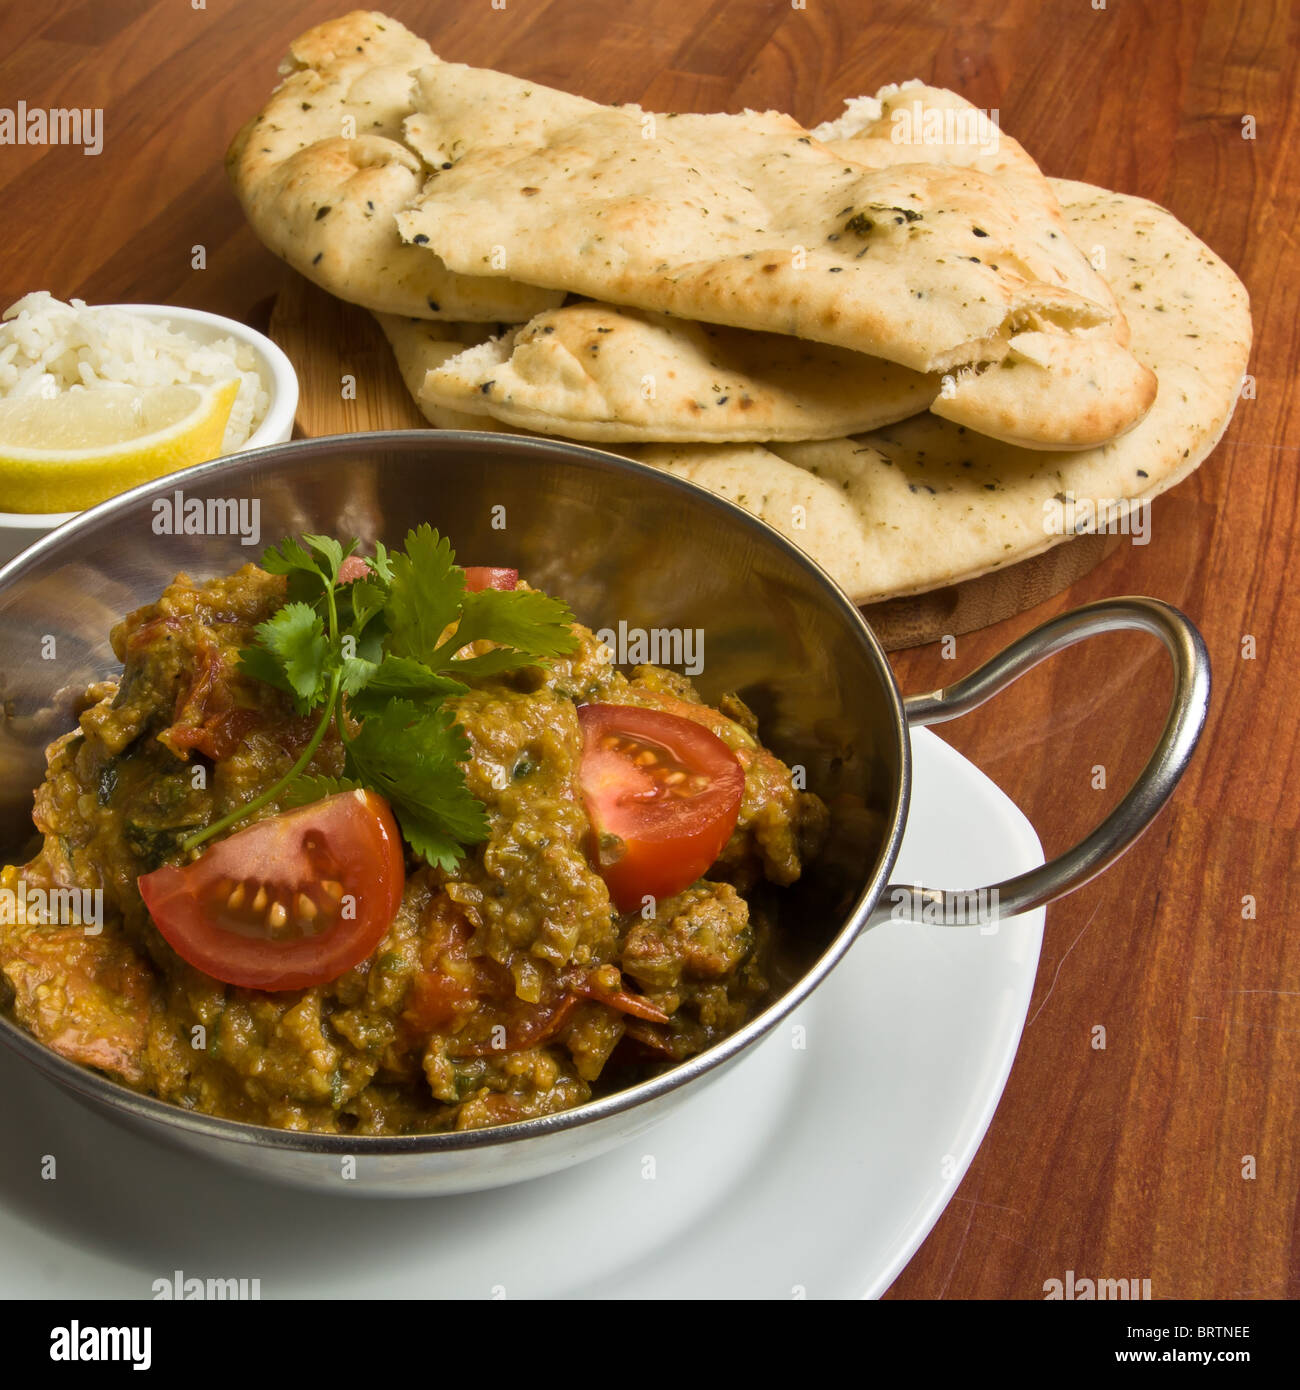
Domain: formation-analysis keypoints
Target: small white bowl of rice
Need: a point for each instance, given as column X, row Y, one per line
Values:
column 49, row 348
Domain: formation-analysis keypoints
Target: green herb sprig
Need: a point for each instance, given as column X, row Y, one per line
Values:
column 368, row 652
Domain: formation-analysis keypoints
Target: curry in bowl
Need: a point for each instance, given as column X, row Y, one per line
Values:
column 387, row 846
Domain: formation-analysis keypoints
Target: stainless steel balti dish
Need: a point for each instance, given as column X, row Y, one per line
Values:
column 618, row 540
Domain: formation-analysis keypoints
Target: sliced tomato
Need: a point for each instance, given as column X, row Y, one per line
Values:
column 436, row 1002
column 648, row 1040
column 290, row 902
column 217, row 737
column 353, row 567
column 525, row 1025
column 486, row 577
column 585, row 983
column 476, row 576
column 662, row 793
column 447, row 988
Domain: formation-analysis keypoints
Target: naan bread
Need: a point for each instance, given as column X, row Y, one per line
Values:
column 775, row 387
column 596, row 372
column 748, row 221
column 914, row 124
column 322, row 194
column 420, row 346
column 935, row 504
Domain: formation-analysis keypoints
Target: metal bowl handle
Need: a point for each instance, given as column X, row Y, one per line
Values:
column 1134, row 813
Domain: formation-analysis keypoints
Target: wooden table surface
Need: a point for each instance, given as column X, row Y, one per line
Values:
column 1171, row 1154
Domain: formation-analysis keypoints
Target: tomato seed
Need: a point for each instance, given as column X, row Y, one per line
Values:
column 277, row 916
column 259, row 900
column 306, row 908
column 236, row 900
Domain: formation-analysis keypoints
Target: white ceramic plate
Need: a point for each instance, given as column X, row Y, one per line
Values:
column 808, row 1170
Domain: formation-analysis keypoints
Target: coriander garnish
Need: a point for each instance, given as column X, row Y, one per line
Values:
column 369, row 651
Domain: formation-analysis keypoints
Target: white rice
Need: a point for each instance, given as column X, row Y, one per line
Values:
column 48, row 347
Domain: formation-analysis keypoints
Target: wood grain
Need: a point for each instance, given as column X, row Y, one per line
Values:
column 347, row 376
column 1123, row 1162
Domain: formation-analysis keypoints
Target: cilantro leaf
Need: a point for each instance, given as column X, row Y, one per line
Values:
column 533, row 623
column 311, row 565
column 380, row 566
column 361, row 601
column 262, row 665
column 302, row 791
column 308, row 582
column 425, row 594
column 289, row 557
column 427, row 837
column 489, row 663
column 376, row 644
column 331, row 553
column 357, row 673
column 399, row 677
column 413, row 759
column 294, row 638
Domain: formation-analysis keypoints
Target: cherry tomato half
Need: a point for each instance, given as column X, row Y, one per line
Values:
column 476, row 576
column 662, row 793
column 486, row 577
column 353, row 567
column 290, row 902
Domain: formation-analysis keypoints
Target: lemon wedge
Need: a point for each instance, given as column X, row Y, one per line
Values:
column 66, row 452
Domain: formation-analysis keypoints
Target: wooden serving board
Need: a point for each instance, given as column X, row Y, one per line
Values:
column 349, row 383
